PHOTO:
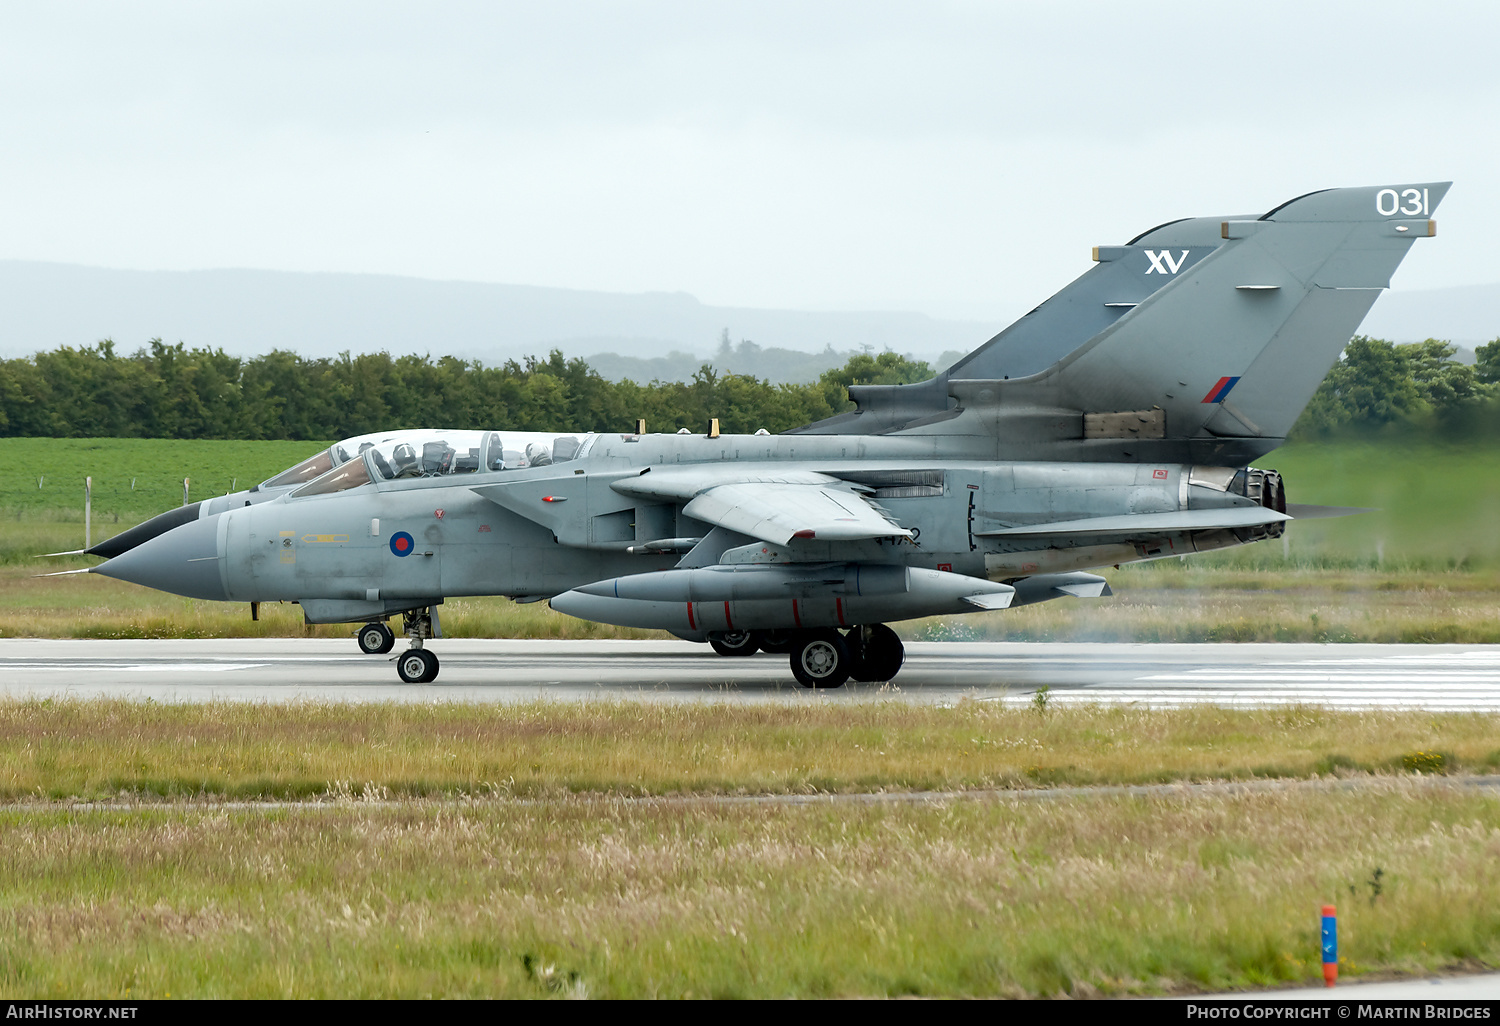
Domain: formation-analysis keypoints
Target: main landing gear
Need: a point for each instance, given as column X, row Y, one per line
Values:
column 416, row 665
column 375, row 638
column 823, row 658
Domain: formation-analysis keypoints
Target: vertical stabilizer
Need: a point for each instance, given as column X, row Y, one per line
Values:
column 1235, row 345
column 1200, row 339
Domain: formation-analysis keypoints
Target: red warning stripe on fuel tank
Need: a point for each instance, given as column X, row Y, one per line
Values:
column 692, row 625
column 728, row 624
column 796, row 616
column 838, row 604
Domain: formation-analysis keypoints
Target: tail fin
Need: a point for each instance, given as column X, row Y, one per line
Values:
column 1201, row 339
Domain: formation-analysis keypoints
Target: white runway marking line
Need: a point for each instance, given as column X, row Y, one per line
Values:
column 141, row 667
column 1436, row 681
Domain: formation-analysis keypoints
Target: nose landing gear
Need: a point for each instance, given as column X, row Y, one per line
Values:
column 417, row 665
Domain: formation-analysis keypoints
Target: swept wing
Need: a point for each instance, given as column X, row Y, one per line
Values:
column 772, row 507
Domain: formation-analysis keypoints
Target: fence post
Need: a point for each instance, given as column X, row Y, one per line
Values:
column 88, row 512
column 184, row 491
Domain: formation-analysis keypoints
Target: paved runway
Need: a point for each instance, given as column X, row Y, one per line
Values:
column 1437, row 677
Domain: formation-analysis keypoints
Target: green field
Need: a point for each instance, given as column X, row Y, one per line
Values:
column 134, row 478
column 1436, row 506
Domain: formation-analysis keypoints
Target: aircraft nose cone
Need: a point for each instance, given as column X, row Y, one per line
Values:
column 144, row 532
column 184, row 561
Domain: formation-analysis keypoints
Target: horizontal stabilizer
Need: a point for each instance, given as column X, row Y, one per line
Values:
column 1228, row 518
column 1305, row 511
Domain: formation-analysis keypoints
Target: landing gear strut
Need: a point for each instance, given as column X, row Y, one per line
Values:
column 417, row 665
column 376, row 638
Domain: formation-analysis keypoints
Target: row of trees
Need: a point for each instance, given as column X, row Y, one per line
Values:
column 169, row 391
column 1419, row 385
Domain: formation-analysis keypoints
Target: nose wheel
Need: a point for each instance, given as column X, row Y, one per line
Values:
column 417, row 666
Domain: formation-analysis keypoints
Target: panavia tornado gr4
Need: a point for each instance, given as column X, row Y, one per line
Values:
column 1115, row 422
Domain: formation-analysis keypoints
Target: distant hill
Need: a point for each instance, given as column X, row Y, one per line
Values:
column 778, row 366
column 1467, row 315
column 645, row 336
column 44, row 306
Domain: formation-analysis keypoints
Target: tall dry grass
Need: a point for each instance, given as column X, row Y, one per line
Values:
column 104, row 749
column 681, row 899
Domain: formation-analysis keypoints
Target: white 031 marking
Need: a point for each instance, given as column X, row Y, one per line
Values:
column 1410, row 202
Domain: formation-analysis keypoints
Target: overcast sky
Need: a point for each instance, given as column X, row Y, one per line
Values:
column 957, row 159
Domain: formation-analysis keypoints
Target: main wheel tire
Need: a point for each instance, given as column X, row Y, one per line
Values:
column 777, row 642
column 734, row 643
column 417, row 666
column 820, row 659
column 376, row 639
column 876, row 653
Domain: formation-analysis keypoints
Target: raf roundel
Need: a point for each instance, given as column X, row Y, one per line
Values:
column 402, row 544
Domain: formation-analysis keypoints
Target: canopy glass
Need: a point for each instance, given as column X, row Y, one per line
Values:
column 411, row 454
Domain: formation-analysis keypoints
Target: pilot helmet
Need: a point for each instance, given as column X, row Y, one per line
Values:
column 404, row 457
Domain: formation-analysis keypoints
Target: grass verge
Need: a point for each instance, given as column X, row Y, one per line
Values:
column 575, row 897
column 107, row 749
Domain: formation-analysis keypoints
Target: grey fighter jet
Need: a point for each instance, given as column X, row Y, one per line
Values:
column 1115, row 422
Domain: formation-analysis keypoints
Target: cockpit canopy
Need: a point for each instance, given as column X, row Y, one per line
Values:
column 412, row 454
column 335, row 455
